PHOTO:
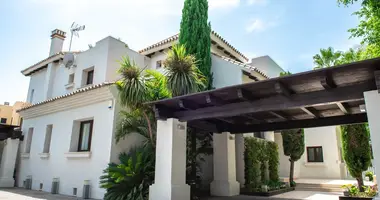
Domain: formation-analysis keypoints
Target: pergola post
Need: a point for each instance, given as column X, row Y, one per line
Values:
column 239, row 144
column 170, row 174
column 372, row 106
column 8, row 162
column 224, row 183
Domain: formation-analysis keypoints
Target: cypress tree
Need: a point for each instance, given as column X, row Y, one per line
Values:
column 294, row 146
column 356, row 150
column 195, row 35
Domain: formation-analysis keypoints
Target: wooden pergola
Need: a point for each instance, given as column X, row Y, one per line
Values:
column 324, row 97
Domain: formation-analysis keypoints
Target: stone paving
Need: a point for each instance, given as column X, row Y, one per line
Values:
column 22, row 194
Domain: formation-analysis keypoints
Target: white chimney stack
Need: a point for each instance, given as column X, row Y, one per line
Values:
column 57, row 38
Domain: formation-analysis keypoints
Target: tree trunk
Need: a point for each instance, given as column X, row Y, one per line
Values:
column 291, row 175
column 360, row 183
column 149, row 128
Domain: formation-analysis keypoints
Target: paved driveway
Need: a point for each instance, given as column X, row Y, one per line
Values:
column 22, row 194
column 309, row 195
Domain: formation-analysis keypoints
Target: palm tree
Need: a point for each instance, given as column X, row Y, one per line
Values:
column 182, row 73
column 137, row 87
column 327, row 58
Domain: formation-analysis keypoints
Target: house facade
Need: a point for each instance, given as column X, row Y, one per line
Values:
column 8, row 114
column 70, row 120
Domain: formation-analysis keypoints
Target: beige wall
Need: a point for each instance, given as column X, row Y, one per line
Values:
column 9, row 112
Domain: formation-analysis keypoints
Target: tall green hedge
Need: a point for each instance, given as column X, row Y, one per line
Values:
column 260, row 156
column 273, row 161
column 356, row 150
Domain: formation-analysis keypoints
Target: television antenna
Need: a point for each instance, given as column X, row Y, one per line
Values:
column 75, row 28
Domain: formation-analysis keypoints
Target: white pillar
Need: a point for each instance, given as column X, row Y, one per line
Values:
column 372, row 104
column 239, row 143
column 224, row 183
column 8, row 162
column 170, row 174
column 269, row 135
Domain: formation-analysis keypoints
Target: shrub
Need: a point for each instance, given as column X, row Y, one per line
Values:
column 252, row 165
column 273, row 161
column 369, row 175
column 130, row 180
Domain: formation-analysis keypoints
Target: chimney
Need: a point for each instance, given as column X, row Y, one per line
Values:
column 57, row 38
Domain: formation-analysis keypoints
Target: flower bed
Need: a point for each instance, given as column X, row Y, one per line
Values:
column 352, row 192
column 266, row 194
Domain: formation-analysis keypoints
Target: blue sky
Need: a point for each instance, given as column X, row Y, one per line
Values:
column 290, row 31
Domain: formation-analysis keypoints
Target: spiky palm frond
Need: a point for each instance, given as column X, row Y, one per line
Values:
column 133, row 122
column 132, row 90
column 183, row 76
column 327, row 58
column 131, row 178
column 156, row 84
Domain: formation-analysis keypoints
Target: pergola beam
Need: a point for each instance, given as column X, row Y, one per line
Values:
column 278, row 102
column 282, row 89
column 245, row 95
column 343, row 108
column 310, row 111
column 307, row 123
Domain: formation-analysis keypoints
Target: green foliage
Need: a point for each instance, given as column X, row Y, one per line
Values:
column 367, row 191
column 294, row 143
column 195, row 36
column 252, row 164
column 131, row 178
column 327, row 58
column 369, row 175
column 356, row 150
column 182, row 73
column 273, row 161
column 257, row 153
column 285, row 73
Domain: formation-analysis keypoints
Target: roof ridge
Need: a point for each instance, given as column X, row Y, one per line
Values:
column 176, row 36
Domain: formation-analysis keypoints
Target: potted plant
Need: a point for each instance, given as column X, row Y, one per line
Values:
column 352, row 192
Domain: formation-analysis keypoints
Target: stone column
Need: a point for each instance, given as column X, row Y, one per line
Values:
column 269, row 135
column 224, row 183
column 372, row 104
column 239, row 143
column 170, row 174
column 8, row 162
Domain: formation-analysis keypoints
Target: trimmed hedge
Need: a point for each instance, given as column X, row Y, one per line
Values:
column 260, row 156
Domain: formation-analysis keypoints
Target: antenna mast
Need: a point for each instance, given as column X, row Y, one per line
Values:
column 75, row 28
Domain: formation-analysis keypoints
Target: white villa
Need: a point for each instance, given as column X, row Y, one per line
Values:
column 70, row 123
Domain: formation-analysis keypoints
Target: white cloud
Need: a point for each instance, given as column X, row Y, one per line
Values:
column 258, row 25
column 257, row 2
column 222, row 4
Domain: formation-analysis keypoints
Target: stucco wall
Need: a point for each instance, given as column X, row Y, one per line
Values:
column 327, row 138
column 329, row 169
column 117, row 49
column 72, row 172
column 267, row 65
column 225, row 73
column 36, row 83
column 6, row 112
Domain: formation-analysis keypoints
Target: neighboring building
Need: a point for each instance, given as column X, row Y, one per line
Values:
column 8, row 114
column 70, row 123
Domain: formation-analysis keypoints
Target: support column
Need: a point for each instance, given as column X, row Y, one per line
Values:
column 170, row 174
column 239, row 144
column 372, row 104
column 269, row 135
column 224, row 183
column 8, row 162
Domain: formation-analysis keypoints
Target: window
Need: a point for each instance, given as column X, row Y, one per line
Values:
column 49, row 130
column 85, row 134
column 90, row 77
column 71, row 79
column 31, row 96
column 3, row 120
column 158, row 64
column 29, row 140
column 314, row 154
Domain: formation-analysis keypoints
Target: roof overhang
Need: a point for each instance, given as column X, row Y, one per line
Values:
column 323, row 97
column 42, row 64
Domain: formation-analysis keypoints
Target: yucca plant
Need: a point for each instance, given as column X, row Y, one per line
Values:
column 183, row 76
column 131, row 178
